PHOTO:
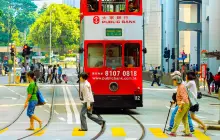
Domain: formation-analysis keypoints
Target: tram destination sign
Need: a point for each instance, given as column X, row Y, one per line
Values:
column 113, row 32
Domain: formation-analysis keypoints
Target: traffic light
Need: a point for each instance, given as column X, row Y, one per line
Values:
column 165, row 53
column 173, row 67
column 29, row 51
column 12, row 50
column 24, row 50
column 173, row 54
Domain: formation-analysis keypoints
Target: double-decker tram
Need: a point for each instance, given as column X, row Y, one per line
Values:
column 111, row 51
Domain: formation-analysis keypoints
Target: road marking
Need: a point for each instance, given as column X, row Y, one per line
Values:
column 157, row 132
column 15, row 92
column 76, row 112
column 201, row 136
column 68, row 110
column 11, row 105
column 46, row 111
column 61, row 118
column 4, row 130
column 118, row 132
column 169, row 107
column 39, row 133
column 200, row 117
column 56, row 112
column 160, row 89
column 76, row 132
column 10, row 98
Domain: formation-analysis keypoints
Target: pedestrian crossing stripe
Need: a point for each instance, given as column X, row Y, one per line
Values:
column 118, row 132
column 157, row 132
column 40, row 133
column 201, row 136
column 4, row 130
column 76, row 132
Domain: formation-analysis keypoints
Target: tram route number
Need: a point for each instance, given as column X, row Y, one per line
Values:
column 137, row 98
column 121, row 73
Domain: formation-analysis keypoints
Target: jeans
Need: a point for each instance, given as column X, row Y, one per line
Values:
column 173, row 117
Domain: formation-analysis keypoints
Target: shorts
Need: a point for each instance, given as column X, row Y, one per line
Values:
column 31, row 108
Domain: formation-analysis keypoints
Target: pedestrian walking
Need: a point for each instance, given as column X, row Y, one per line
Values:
column 191, row 85
column 23, row 73
column 54, row 74
column 49, row 73
column 217, row 82
column 155, row 77
column 42, row 74
column 209, row 79
column 183, row 103
column 59, row 73
column 88, row 101
column 176, row 109
column 32, row 101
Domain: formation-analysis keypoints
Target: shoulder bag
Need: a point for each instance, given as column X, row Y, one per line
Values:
column 194, row 105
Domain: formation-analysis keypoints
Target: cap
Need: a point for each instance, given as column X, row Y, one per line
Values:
column 175, row 73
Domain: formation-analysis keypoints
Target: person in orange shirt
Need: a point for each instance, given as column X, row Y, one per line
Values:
column 183, row 103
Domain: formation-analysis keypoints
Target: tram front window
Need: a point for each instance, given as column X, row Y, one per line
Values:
column 92, row 5
column 113, row 55
column 113, row 5
column 95, row 55
column 132, row 55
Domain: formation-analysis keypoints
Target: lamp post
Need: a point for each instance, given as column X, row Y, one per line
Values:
column 51, row 32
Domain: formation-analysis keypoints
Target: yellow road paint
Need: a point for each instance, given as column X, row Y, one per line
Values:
column 4, row 130
column 201, row 136
column 39, row 133
column 76, row 132
column 118, row 132
column 158, row 132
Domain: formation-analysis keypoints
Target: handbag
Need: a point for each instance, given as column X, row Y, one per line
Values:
column 194, row 105
column 40, row 97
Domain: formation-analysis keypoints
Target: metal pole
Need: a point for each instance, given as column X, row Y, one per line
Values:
column 162, row 36
column 50, row 35
column 14, row 65
column 144, row 66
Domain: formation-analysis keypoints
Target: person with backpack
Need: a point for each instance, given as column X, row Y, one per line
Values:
column 209, row 79
column 32, row 100
column 87, row 101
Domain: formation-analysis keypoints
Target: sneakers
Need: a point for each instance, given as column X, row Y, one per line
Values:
column 169, row 129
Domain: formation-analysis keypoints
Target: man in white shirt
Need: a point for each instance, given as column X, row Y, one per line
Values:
column 23, row 73
column 88, row 100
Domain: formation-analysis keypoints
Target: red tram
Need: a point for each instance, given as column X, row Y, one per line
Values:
column 111, row 51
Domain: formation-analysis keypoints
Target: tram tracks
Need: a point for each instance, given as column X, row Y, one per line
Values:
column 22, row 111
column 49, row 120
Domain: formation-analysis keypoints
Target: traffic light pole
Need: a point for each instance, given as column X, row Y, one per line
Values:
column 15, row 65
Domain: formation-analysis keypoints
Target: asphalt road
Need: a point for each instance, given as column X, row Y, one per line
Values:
column 119, row 126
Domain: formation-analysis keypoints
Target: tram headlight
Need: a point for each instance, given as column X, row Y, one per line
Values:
column 113, row 86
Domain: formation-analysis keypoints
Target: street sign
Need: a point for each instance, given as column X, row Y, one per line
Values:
column 203, row 70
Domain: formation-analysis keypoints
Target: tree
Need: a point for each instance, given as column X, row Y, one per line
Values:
column 65, row 27
column 17, row 15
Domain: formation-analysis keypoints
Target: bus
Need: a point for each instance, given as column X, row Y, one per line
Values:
column 111, row 50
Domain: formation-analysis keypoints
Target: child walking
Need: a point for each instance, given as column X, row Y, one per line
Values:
column 87, row 101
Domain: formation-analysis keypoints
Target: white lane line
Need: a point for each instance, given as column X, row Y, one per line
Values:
column 61, row 118
column 160, row 89
column 10, row 98
column 46, row 111
column 56, row 112
column 57, row 85
column 15, row 92
column 68, row 110
column 200, row 117
column 131, row 139
column 11, row 105
column 169, row 107
column 76, row 112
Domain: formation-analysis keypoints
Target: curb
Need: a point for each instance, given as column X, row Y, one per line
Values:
column 18, row 85
column 206, row 95
column 213, row 127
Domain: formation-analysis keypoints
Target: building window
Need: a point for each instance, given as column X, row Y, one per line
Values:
column 95, row 55
column 113, row 5
column 113, row 55
column 132, row 55
column 92, row 5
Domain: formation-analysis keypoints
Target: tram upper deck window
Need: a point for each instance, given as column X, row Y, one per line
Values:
column 92, row 5
column 113, row 55
column 133, row 5
column 95, row 55
column 132, row 55
column 113, row 5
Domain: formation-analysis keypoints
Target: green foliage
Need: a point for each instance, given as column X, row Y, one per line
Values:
column 10, row 62
column 62, row 58
column 17, row 16
column 70, row 55
column 65, row 27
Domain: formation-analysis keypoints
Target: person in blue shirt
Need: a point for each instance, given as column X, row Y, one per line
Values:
column 59, row 73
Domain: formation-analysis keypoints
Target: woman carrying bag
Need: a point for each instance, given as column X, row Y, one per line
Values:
column 32, row 101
